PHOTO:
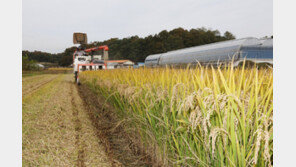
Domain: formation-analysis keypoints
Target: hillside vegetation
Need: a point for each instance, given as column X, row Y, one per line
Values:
column 136, row 48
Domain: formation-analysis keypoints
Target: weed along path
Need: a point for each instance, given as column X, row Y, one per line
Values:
column 57, row 129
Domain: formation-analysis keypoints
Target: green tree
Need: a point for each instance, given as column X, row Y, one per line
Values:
column 28, row 64
column 137, row 49
column 228, row 35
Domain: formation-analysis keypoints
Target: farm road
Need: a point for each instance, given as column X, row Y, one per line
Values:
column 56, row 128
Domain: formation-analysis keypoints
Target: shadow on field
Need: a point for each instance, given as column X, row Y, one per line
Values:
column 123, row 149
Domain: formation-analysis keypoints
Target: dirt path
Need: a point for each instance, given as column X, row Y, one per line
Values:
column 57, row 131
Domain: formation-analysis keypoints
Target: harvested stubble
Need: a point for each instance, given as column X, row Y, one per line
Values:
column 60, row 69
column 204, row 116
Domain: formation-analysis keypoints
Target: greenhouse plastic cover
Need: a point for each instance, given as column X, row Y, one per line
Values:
column 219, row 51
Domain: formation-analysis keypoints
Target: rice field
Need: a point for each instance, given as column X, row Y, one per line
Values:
column 60, row 69
column 48, row 71
column 195, row 116
column 56, row 129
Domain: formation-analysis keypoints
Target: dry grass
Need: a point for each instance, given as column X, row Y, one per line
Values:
column 56, row 129
column 33, row 83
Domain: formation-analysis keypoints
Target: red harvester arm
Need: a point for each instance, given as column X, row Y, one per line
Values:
column 104, row 47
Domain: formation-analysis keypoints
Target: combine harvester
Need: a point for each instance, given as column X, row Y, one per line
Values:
column 86, row 60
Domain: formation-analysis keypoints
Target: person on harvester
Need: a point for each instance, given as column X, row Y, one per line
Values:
column 79, row 51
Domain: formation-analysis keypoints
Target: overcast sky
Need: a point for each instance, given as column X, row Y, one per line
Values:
column 48, row 25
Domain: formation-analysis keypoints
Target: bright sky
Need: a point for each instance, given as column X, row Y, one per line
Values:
column 48, row 25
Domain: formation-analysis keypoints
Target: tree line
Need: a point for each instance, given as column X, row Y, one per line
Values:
column 137, row 49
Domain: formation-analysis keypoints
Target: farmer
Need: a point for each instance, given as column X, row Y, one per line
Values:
column 80, row 51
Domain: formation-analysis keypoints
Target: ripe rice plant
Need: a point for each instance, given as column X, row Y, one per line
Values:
column 195, row 116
